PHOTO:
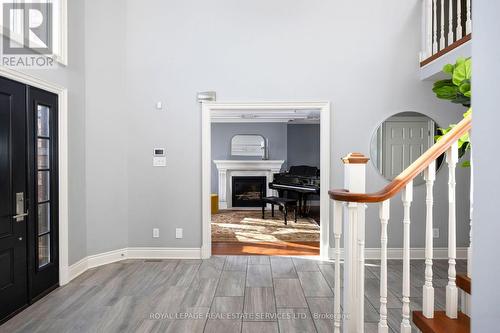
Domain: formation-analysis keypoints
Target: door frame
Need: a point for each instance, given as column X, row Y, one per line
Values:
column 62, row 94
column 325, row 155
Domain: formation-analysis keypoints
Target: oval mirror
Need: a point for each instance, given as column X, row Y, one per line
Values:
column 399, row 141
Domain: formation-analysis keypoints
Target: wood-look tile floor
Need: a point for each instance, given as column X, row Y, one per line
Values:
column 221, row 294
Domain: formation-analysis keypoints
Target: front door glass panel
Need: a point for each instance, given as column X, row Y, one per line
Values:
column 43, row 180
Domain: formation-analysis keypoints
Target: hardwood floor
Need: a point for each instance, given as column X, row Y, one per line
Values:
column 221, row 294
column 270, row 249
column 282, row 248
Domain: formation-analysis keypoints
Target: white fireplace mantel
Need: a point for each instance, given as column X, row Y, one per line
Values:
column 249, row 165
column 229, row 168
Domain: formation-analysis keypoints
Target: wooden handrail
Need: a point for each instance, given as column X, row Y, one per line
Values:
column 409, row 173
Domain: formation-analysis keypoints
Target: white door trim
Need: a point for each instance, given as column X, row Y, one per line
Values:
column 325, row 125
column 62, row 94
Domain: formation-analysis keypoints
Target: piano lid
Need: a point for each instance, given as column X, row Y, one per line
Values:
column 304, row 171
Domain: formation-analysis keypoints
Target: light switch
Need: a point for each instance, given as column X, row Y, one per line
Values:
column 178, row 233
column 156, row 233
column 159, row 105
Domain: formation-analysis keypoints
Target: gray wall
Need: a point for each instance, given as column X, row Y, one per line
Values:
column 275, row 133
column 485, row 268
column 248, row 51
column 123, row 59
column 73, row 78
column 107, row 127
column 303, row 142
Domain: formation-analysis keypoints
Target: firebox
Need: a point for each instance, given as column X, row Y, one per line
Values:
column 247, row 191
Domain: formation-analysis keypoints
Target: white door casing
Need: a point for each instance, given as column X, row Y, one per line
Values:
column 325, row 125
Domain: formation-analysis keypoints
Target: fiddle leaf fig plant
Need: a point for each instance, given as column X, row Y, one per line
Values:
column 456, row 89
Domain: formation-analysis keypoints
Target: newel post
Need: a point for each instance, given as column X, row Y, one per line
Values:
column 354, row 273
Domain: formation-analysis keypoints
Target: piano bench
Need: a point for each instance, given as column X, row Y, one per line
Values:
column 285, row 203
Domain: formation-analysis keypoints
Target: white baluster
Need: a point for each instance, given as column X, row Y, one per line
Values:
column 451, row 288
column 337, row 231
column 459, row 20
column 384, row 218
column 442, row 41
column 407, row 198
column 468, row 22
column 428, row 289
column 450, row 23
column 434, row 28
column 426, row 51
column 423, row 50
column 428, row 28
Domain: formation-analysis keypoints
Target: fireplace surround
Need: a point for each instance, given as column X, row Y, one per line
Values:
column 227, row 169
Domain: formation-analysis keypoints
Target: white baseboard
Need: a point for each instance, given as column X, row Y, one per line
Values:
column 163, row 253
column 106, row 258
column 131, row 253
column 77, row 268
column 397, row 253
column 195, row 253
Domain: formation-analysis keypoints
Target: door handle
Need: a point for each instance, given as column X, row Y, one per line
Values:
column 20, row 213
column 20, row 217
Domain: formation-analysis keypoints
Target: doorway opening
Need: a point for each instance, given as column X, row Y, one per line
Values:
column 266, row 173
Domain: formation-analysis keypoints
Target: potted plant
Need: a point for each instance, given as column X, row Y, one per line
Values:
column 457, row 89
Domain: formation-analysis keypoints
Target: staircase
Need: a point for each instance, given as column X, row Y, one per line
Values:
column 349, row 223
column 441, row 323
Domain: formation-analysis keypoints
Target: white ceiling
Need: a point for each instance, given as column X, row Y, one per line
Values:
column 266, row 116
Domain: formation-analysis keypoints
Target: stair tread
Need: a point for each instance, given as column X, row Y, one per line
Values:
column 441, row 323
column 464, row 282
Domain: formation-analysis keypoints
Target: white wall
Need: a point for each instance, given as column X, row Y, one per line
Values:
column 486, row 227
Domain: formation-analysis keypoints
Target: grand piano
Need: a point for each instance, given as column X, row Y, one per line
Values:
column 298, row 182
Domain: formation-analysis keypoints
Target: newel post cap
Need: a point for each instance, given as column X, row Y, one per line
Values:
column 355, row 158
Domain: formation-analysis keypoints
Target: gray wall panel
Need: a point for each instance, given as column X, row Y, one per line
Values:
column 486, row 227
column 303, row 144
column 275, row 133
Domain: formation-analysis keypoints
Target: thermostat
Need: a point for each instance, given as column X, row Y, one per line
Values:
column 159, row 152
column 159, row 158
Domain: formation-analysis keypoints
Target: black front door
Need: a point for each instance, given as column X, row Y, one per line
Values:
column 13, row 194
column 29, row 261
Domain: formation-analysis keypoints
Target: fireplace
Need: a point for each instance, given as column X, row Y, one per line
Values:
column 247, row 190
column 228, row 169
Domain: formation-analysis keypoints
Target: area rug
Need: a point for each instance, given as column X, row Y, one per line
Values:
column 248, row 226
